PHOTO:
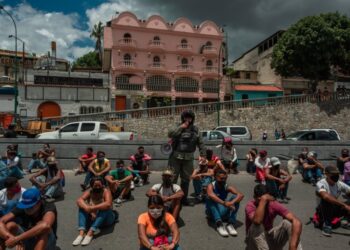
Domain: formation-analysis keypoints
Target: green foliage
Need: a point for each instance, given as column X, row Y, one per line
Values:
column 97, row 33
column 88, row 60
column 313, row 46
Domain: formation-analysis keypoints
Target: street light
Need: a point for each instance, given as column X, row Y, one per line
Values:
column 219, row 67
column 23, row 51
column 16, row 62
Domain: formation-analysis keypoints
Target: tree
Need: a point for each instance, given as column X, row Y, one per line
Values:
column 313, row 47
column 88, row 60
column 97, row 33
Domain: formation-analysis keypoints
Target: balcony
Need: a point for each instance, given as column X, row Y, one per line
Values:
column 184, row 48
column 159, row 86
column 156, row 45
column 210, row 50
column 210, row 70
column 157, row 67
column 185, row 68
column 127, row 64
column 128, row 86
column 127, row 43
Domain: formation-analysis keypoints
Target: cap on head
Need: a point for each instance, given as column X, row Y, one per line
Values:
column 312, row 154
column 345, row 151
column 331, row 170
column 167, row 172
column 30, row 198
column 275, row 161
column 263, row 153
column 187, row 113
column 227, row 140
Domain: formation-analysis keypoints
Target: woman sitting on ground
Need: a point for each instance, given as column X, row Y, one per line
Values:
column 157, row 229
column 95, row 210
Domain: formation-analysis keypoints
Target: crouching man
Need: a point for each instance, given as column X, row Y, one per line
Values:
column 37, row 227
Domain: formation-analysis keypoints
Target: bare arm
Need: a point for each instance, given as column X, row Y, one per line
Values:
column 143, row 237
column 4, row 233
column 260, row 210
column 55, row 179
column 213, row 196
column 269, row 176
column 81, row 200
column 296, row 231
column 151, row 192
column 126, row 179
column 176, row 234
column 239, row 195
column 91, row 169
column 106, row 204
column 178, row 195
column 109, row 179
column 195, row 175
column 33, row 179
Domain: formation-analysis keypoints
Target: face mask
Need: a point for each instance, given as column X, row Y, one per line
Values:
column 97, row 190
column 120, row 170
column 100, row 159
column 16, row 190
column 167, row 182
column 221, row 183
column 155, row 212
column 335, row 178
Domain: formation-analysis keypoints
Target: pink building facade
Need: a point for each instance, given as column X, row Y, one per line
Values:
column 154, row 63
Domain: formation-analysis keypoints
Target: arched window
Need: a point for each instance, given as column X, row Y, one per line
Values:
column 208, row 44
column 158, row 83
column 99, row 110
column 186, row 84
column 127, row 36
column 184, row 61
column 83, row 110
column 156, row 61
column 209, row 63
column 127, row 60
column 184, row 43
column 91, row 110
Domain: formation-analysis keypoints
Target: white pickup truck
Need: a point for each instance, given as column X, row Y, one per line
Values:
column 86, row 130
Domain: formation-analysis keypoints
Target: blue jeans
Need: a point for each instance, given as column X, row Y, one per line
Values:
column 177, row 247
column 51, row 191
column 219, row 212
column 104, row 218
column 15, row 171
column 198, row 185
column 275, row 191
column 312, row 175
column 89, row 176
column 30, row 243
column 36, row 163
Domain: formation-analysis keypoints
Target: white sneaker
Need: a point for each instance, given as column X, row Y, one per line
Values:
column 87, row 240
column 140, row 183
column 222, row 231
column 132, row 185
column 78, row 240
column 119, row 201
column 231, row 230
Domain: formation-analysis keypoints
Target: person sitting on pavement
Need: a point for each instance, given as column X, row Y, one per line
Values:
column 312, row 168
column 49, row 180
column 228, row 156
column 139, row 166
column 330, row 206
column 260, row 214
column 301, row 159
column 157, row 229
column 85, row 160
column 98, row 167
column 32, row 224
column 11, row 131
column 46, row 152
column 220, row 206
column 251, row 156
column 34, row 163
column 39, row 159
column 13, row 164
column 4, row 171
column 344, row 157
column 10, row 195
column 170, row 193
column 95, row 211
column 213, row 160
column 119, row 182
column 201, row 178
column 262, row 163
column 277, row 180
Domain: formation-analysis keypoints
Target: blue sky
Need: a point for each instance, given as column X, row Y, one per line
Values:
column 69, row 22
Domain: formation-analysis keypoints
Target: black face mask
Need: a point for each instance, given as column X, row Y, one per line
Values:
column 167, row 182
column 335, row 178
column 221, row 183
column 97, row 190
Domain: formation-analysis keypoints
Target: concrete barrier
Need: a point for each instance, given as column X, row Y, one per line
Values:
column 68, row 151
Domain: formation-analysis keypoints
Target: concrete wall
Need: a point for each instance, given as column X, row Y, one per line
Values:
column 68, row 151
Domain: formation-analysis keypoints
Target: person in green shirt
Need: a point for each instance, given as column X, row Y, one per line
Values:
column 119, row 182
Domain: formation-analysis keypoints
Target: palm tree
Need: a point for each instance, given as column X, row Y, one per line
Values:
column 97, row 33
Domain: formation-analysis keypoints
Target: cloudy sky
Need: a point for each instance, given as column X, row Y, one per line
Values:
column 69, row 22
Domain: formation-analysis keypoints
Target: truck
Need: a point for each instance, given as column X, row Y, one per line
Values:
column 86, row 130
column 33, row 128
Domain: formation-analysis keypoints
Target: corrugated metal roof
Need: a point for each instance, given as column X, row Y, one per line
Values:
column 257, row 88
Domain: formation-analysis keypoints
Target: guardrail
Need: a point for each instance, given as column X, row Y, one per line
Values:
column 199, row 108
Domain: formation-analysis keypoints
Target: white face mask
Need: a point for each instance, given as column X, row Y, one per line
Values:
column 155, row 212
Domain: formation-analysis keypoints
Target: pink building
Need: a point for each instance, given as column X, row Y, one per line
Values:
column 156, row 63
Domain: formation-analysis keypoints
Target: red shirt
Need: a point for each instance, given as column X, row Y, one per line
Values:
column 212, row 162
column 86, row 156
column 274, row 208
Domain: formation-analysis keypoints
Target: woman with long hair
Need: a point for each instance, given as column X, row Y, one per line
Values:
column 157, row 229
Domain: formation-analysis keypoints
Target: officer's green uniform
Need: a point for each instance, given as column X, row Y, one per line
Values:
column 185, row 142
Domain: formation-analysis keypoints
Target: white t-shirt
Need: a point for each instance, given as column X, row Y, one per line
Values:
column 15, row 160
column 335, row 190
column 4, row 200
column 163, row 191
column 260, row 163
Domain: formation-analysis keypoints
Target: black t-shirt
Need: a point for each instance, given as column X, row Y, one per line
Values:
column 29, row 221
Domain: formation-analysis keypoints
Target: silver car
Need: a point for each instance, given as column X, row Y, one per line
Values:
column 239, row 132
column 215, row 135
column 314, row 135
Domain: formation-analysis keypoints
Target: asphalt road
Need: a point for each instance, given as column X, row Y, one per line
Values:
column 195, row 232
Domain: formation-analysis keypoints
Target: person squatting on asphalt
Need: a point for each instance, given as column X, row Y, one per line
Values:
column 228, row 155
column 220, row 207
column 214, row 161
column 10, row 195
column 170, row 193
column 260, row 215
column 157, row 229
column 201, row 178
column 185, row 139
column 262, row 162
column 139, row 166
column 85, row 160
column 312, row 168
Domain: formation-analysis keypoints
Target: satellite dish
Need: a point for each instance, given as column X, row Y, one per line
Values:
column 166, row 148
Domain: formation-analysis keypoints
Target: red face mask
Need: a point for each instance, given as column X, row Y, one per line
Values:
column 16, row 189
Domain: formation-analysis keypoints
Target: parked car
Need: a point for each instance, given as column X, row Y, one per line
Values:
column 314, row 135
column 216, row 135
column 86, row 130
column 240, row 132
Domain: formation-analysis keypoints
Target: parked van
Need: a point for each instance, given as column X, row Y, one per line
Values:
column 240, row 132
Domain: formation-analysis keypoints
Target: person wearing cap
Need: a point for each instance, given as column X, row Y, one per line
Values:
column 328, row 191
column 228, row 156
column 312, row 168
column 171, row 193
column 221, row 206
column 277, row 180
column 185, row 139
column 37, row 225
column 342, row 159
column 260, row 214
column 201, row 177
column 49, row 180
column 119, row 182
column 262, row 162
column 10, row 195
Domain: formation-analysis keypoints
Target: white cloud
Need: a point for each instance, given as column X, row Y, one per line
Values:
column 38, row 29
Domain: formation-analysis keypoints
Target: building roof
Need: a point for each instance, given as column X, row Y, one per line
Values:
column 257, row 88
